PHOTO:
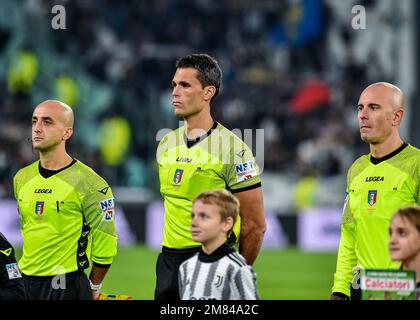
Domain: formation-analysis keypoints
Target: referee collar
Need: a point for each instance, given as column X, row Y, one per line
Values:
column 192, row 142
column 389, row 155
column 220, row 252
column 48, row 173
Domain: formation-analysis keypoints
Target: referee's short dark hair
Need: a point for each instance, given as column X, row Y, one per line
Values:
column 228, row 204
column 209, row 72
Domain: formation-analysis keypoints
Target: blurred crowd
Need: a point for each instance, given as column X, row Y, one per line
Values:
column 294, row 68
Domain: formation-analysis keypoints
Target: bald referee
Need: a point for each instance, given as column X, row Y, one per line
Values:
column 378, row 184
column 66, row 214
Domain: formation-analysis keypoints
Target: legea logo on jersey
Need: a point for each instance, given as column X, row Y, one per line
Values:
column 39, row 207
column 372, row 196
column 178, row 175
column 245, row 171
column 43, row 191
column 107, row 207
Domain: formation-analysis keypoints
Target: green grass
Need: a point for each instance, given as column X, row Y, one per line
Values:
column 292, row 274
column 132, row 273
column 281, row 274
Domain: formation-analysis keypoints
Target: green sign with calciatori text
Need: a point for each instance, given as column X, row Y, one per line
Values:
column 388, row 284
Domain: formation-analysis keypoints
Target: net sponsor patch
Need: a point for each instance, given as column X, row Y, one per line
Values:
column 13, row 271
column 246, row 170
column 107, row 208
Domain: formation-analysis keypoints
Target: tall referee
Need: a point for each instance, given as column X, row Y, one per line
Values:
column 200, row 156
column 66, row 214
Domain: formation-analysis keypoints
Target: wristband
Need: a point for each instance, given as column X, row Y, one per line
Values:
column 95, row 287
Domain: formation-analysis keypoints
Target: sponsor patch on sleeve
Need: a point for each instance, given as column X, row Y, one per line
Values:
column 246, row 170
column 107, row 208
column 13, row 271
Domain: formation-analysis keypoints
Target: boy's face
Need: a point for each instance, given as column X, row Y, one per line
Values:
column 404, row 243
column 206, row 223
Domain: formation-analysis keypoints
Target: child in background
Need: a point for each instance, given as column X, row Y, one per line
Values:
column 404, row 242
column 217, row 271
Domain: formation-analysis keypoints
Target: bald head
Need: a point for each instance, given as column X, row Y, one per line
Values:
column 52, row 126
column 380, row 112
column 62, row 110
column 390, row 91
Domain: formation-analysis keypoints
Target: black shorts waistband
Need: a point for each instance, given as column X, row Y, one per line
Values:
column 179, row 251
column 49, row 277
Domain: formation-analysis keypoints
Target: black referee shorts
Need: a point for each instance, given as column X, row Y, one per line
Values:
column 355, row 294
column 167, row 267
column 69, row 286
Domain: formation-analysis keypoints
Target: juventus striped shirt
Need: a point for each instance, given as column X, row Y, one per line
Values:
column 222, row 275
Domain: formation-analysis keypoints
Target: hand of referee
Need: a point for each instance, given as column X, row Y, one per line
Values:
column 96, row 294
column 339, row 296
